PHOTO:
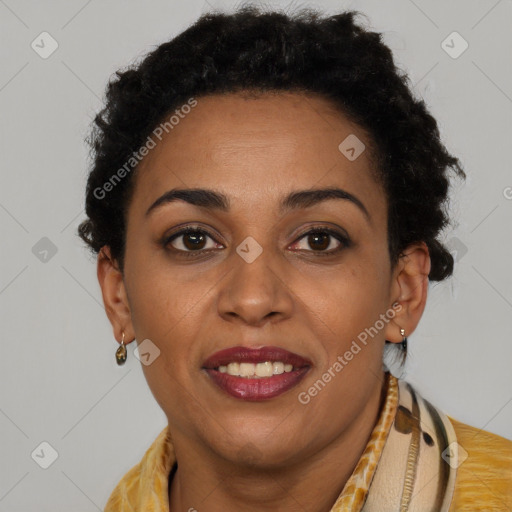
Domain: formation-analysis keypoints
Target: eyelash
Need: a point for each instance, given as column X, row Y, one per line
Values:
column 344, row 241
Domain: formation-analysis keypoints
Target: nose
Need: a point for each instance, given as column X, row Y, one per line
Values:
column 255, row 293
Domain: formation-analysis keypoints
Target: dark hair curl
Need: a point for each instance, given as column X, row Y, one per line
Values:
column 256, row 50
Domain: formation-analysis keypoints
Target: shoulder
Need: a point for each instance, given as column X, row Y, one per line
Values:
column 484, row 476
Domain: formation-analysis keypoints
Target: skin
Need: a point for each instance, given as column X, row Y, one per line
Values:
column 279, row 454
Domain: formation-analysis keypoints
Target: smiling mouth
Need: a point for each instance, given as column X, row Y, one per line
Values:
column 256, row 371
column 256, row 374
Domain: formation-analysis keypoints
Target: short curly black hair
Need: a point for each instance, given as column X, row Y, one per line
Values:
column 253, row 49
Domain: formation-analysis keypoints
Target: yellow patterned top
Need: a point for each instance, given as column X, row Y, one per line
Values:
column 483, row 482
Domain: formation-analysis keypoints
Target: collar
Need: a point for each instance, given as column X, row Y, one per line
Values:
column 412, row 448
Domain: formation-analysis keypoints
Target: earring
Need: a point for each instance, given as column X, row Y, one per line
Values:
column 403, row 344
column 121, row 353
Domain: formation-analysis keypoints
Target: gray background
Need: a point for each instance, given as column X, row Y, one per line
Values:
column 60, row 382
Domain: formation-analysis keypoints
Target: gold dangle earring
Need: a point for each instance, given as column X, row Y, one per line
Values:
column 121, row 353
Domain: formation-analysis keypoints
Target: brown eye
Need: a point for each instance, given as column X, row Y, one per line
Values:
column 322, row 241
column 191, row 240
column 194, row 240
column 319, row 241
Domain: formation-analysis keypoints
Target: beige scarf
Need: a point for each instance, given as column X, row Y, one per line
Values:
column 410, row 461
column 419, row 462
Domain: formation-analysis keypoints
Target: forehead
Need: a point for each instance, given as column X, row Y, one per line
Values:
column 259, row 146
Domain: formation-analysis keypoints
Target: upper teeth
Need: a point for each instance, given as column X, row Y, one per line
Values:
column 266, row 369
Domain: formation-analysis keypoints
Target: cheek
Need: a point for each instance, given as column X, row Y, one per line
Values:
column 351, row 291
column 342, row 303
column 173, row 309
column 162, row 302
column 170, row 314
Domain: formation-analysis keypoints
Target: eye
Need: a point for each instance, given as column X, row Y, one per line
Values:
column 191, row 240
column 321, row 240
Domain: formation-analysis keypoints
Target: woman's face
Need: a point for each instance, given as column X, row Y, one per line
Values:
column 255, row 276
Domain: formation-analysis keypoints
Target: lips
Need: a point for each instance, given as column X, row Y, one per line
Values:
column 259, row 355
column 256, row 388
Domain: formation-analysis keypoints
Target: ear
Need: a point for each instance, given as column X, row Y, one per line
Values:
column 114, row 294
column 409, row 289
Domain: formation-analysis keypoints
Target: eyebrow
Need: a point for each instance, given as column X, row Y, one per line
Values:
column 213, row 200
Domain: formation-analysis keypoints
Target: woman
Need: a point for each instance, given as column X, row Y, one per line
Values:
column 266, row 201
